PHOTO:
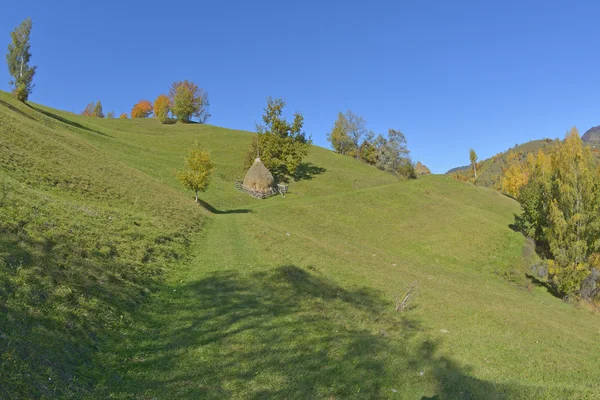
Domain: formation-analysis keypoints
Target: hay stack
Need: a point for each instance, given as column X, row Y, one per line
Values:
column 259, row 178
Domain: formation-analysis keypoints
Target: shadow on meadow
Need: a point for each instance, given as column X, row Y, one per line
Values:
column 307, row 171
column 213, row 210
column 56, row 307
column 66, row 121
column 284, row 334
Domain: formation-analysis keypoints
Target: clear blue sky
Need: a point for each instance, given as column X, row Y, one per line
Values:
column 451, row 75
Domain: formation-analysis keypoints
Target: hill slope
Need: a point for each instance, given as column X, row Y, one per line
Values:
column 115, row 284
column 592, row 135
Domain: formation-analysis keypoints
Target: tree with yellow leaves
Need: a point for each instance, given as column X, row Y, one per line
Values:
column 199, row 170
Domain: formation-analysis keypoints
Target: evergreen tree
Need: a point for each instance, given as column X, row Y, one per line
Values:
column 98, row 110
column 17, row 58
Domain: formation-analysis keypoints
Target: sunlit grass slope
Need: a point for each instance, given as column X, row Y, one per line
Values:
column 280, row 298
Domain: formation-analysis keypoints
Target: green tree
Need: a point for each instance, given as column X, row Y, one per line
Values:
column 393, row 154
column 339, row 135
column 199, row 170
column 560, row 205
column 473, row 158
column 98, row 110
column 189, row 101
column 281, row 145
column 110, row 115
column 17, row 58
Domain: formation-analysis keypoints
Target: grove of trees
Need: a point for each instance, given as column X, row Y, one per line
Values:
column 389, row 153
column 559, row 192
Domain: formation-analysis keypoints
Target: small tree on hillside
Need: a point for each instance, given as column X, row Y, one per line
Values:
column 473, row 158
column 162, row 106
column 110, row 115
column 18, row 58
column 281, row 145
column 199, row 170
column 142, row 109
column 188, row 101
column 98, row 110
column 339, row 135
column 89, row 110
column 123, row 116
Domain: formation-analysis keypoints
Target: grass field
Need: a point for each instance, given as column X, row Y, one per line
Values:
column 116, row 285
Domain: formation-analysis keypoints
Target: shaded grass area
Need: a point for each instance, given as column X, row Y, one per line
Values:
column 84, row 240
column 287, row 334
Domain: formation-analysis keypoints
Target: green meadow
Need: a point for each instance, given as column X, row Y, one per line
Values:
column 115, row 284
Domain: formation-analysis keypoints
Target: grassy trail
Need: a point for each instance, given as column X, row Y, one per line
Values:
column 268, row 308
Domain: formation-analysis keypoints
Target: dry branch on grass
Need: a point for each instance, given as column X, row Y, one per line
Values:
column 405, row 301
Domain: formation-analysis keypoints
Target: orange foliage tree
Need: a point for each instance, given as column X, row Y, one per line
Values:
column 162, row 106
column 123, row 116
column 142, row 109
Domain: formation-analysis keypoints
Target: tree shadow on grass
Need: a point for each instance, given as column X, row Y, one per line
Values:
column 307, row 171
column 213, row 210
column 66, row 121
column 15, row 109
column 283, row 334
column 547, row 285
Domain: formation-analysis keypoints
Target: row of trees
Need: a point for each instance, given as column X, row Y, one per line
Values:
column 559, row 192
column 390, row 153
column 186, row 100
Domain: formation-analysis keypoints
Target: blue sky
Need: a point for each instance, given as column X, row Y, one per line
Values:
column 450, row 75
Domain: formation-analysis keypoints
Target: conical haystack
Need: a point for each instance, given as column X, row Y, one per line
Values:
column 259, row 178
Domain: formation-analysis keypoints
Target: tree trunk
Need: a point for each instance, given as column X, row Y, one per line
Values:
column 197, row 197
column 475, row 169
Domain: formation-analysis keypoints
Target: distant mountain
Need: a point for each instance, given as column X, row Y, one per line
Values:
column 421, row 169
column 592, row 135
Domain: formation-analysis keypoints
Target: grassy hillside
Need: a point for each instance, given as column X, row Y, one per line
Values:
column 114, row 284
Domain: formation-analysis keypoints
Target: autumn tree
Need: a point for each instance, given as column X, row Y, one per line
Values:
column 200, row 167
column 189, row 101
column 560, row 203
column 162, row 106
column 89, row 110
column 516, row 174
column 142, row 109
column 473, row 158
column 18, row 58
column 123, row 116
column 98, row 110
column 280, row 144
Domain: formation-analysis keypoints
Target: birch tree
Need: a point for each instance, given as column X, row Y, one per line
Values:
column 17, row 58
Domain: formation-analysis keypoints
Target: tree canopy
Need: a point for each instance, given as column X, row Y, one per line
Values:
column 189, row 101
